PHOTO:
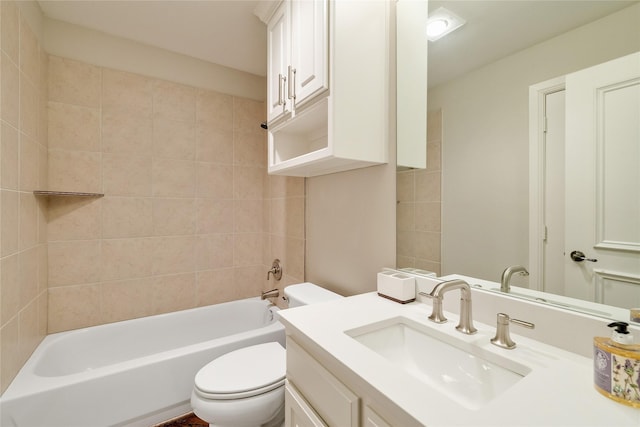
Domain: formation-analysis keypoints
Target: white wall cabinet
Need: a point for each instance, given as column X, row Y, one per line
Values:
column 328, row 86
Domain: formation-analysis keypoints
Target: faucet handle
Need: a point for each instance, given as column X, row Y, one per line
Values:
column 503, row 338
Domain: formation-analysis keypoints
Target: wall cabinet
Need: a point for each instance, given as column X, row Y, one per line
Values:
column 328, row 85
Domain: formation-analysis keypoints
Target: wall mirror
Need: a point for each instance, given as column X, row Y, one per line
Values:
column 469, row 211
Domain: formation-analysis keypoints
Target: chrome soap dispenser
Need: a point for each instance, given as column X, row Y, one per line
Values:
column 616, row 365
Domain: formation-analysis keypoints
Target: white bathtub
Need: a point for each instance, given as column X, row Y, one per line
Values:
column 132, row 373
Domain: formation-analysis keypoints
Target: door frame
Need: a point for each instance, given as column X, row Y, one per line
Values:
column 537, row 196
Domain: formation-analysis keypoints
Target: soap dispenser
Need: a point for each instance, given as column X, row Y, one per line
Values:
column 616, row 365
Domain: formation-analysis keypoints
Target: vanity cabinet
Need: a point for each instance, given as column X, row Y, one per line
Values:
column 328, row 86
column 318, row 395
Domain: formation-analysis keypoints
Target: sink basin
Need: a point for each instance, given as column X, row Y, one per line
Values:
column 462, row 370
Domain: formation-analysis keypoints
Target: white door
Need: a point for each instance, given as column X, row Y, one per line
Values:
column 278, row 35
column 309, row 50
column 603, row 183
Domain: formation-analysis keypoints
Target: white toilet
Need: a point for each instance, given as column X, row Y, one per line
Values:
column 245, row 387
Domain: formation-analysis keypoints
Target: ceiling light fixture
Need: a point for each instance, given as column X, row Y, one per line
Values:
column 441, row 22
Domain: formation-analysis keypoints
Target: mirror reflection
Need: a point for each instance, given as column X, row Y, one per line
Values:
column 475, row 210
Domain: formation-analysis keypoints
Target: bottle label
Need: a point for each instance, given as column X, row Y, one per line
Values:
column 602, row 369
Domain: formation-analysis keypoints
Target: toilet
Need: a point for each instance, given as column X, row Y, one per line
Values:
column 245, row 387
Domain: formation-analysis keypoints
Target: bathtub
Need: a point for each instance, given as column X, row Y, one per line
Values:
column 132, row 373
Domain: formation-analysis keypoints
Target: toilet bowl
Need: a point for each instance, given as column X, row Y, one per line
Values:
column 245, row 387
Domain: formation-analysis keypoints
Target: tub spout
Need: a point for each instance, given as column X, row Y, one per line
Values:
column 270, row 294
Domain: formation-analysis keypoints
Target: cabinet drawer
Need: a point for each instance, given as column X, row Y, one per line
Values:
column 332, row 400
column 298, row 413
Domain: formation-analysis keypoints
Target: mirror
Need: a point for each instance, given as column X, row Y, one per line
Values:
column 468, row 211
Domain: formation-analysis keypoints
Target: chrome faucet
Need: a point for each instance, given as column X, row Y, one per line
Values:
column 505, row 285
column 437, row 295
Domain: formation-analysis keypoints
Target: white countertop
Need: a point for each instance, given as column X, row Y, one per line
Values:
column 559, row 390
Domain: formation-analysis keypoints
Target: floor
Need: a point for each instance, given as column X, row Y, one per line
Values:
column 188, row 420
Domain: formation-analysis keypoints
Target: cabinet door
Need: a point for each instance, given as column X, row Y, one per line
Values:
column 309, row 50
column 278, row 56
column 298, row 413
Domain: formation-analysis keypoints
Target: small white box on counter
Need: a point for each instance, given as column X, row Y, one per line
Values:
column 396, row 286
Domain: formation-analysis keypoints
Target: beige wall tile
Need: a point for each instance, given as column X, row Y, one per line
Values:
column 427, row 246
column 29, row 53
column 74, row 262
column 73, row 127
column 125, row 131
column 214, row 216
column 406, row 243
column 248, row 114
column 173, row 217
column 405, row 217
column 428, row 216
column 434, row 153
column 216, row 109
column 10, row 29
column 28, row 275
column 434, row 125
column 214, row 180
column 127, row 258
column 295, row 217
column 213, row 145
column 248, row 281
column 250, row 148
column 278, row 223
column 73, row 307
column 172, row 293
column 10, row 86
column 126, row 299
column 29, row 167
column 295, row 258
column 9, row 351
column 129, row 92
column 74, row 82
column 43, row 268
column 29, row 108
column 173, row 178
column 174, row 101
column 248, row 182
column 75, row 171
column 43, row 167
column 174, row 139
column 405, row 186
column 127, row 217
column 10, row 222
column 29, row 331
column 126, row 175
column 74, row 218
column 44, row 97
column 428, row 186
column 247, row 249
column 174, row 254
column 214, row 286
column 28, row 221
column 212, row 251
column 9, row 157
column 247, row 216
column 9, row 288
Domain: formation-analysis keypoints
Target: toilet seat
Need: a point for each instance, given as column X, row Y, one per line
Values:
column 243, row 373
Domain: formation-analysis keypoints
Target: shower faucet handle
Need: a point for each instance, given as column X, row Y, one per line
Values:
column 276, row 270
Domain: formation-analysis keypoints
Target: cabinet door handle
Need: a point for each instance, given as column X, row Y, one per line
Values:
column 292, row 83
column 281, row 82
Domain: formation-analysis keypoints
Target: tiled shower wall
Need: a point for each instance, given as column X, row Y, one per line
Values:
column 418, row 219
column 23, row 168
column 189, row 215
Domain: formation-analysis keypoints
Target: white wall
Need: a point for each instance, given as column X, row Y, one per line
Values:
column 82, row 44
column 485, row 143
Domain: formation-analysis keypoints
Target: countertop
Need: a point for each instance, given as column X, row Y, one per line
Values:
column 558, row 391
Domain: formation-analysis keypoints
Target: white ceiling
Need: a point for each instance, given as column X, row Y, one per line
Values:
column 227, row 32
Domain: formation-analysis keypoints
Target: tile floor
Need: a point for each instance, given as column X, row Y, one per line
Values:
column 188, row 420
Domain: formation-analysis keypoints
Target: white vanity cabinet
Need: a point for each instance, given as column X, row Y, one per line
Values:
column 317, row 395
column 328, row 85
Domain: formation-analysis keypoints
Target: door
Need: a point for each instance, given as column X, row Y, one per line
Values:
column 278, row 38
column 309, row 50
column 603, row 183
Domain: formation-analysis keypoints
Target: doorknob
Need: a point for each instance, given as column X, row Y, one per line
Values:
column 578, row 256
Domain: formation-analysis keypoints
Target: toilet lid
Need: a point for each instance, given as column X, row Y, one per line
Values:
column 259, row 367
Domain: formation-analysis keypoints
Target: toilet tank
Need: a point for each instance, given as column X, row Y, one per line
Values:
column 308, row 293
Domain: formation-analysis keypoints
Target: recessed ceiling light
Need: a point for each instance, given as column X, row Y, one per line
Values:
column 441, row 22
